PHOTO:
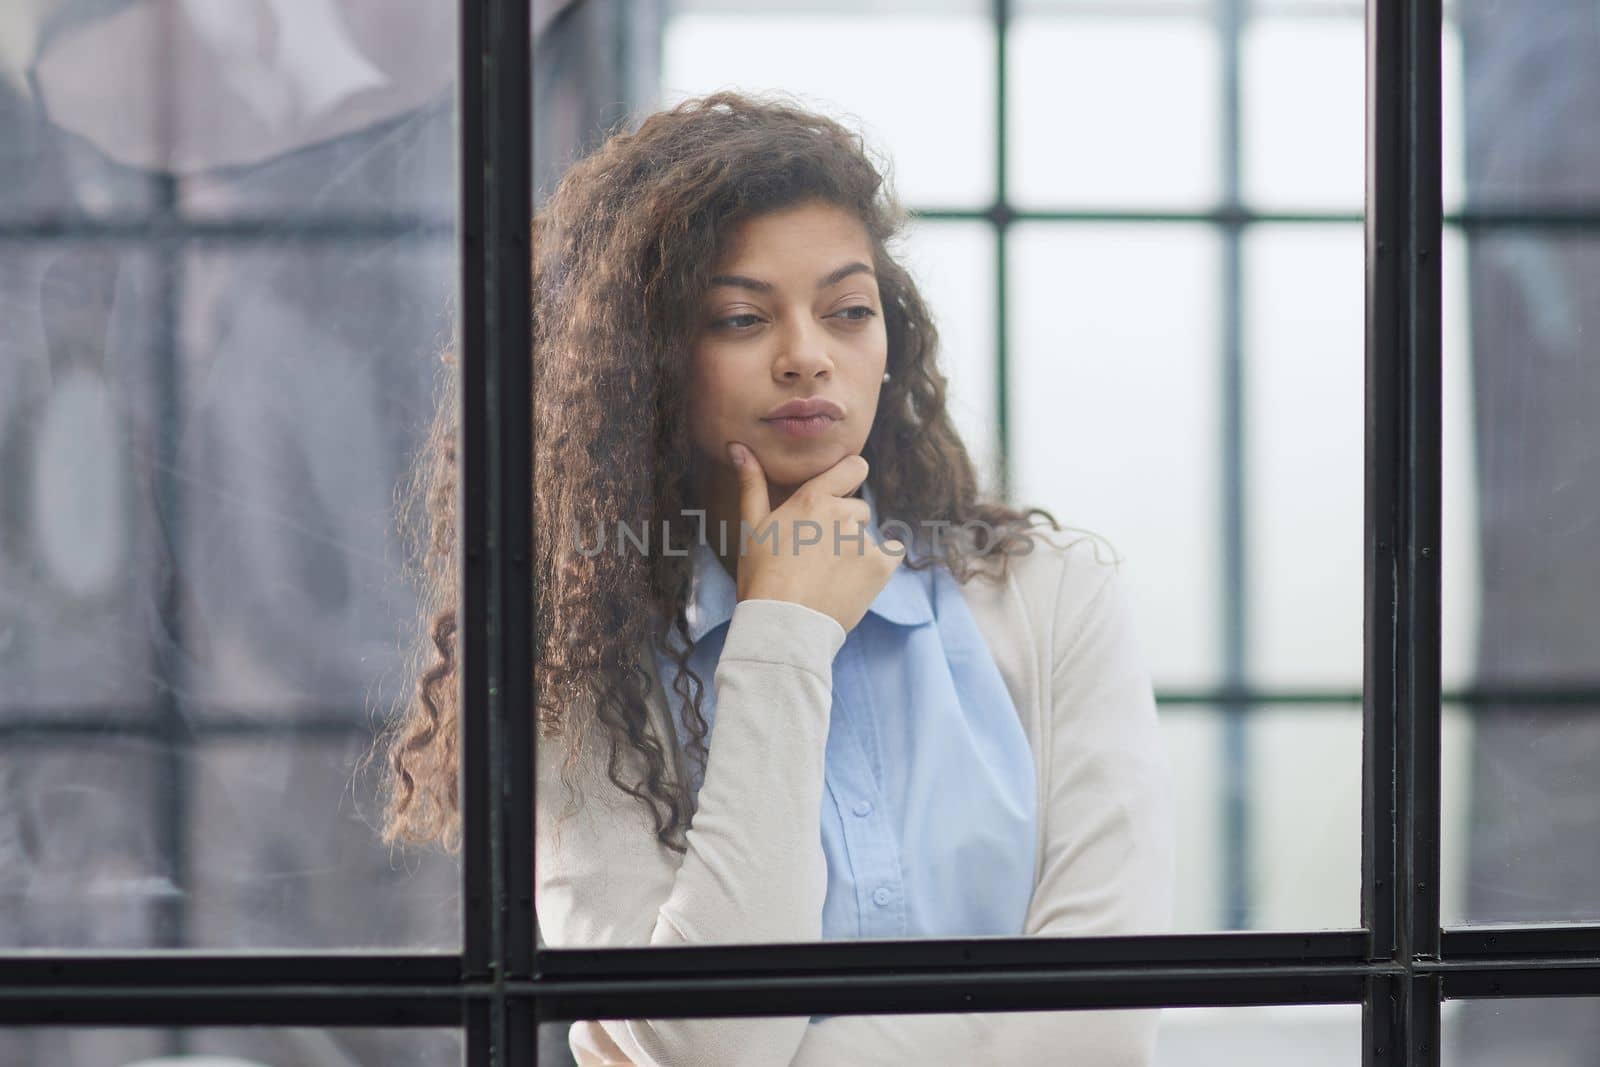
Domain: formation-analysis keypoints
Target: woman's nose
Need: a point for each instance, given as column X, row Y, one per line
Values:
column 804, row 351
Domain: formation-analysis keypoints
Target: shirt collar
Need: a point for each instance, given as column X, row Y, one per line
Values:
column 713, row 593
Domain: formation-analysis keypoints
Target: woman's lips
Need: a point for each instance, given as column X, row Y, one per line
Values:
column 812, row 426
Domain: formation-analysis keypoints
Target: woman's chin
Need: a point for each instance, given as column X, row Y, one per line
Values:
column 791, row 471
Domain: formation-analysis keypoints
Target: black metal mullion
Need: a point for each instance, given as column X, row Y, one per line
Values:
column 1382, row 1031
column 509, row 180
column 896, row 992
column 1400, row 772
column 1384, row 352
column 496, row 508
column 1423, row 485
column 510, row 341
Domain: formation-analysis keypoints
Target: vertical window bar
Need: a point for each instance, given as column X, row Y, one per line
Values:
column 508, row 177
column 496, row 509
column 1384, row 344
column 1400, row 772
column 1380, row 1028
column 1423, row 421
column 1001, row 216
column 174, row 735
column 1236, row 863
column 472, row 447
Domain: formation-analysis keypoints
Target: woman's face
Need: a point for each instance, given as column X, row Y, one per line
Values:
column 793, row 311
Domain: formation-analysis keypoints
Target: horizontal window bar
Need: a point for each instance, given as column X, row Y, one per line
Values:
column 1520, row 941
column 1543, row 978
column 267, row 229
column 66, row 969
column 1238, row 217
column 899, row 992
column 45, row 724
column 284, row 229
column 855, row 977
column 178, row 1005
column 969, row 954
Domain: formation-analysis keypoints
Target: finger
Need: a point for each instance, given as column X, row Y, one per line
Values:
column 754, row 502
column 842, row 478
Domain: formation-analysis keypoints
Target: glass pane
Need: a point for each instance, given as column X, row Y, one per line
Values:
column 1350, row 8
column 1114, row 385
column 953, row 263
column 1319, row 1035
column 1304, row 377
column 1529, row 87
column 1257, row 849
column 75, row 575
column 944, row 98
column 1529, row 838
column 45, row 168
column 1303, row 78
column 1303, row 409
column 1304, row 816
column 1182, row 8
column 1091, row 126
column 1554, row 1032
column 1209, row 862
column 1303, row 89
column 263, row 1046
column 1523, row 786
column 824, row 807
column 206, row 599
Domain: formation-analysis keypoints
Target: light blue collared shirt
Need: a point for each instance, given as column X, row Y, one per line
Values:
column 929, row 810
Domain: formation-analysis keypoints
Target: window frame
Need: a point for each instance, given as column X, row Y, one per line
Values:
column 1398, row 965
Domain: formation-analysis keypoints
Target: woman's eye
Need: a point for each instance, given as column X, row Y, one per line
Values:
column 733, row 322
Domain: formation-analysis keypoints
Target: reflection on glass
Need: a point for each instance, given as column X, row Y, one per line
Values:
column 207, row 409
column 1554, row 1032
column 1531, row 842
column 245, row 1046
column 1322, row 1035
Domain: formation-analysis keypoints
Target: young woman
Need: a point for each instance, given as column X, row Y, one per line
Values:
column 796, row 680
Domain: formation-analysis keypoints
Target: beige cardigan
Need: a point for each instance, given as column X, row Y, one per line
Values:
column 1062, row 634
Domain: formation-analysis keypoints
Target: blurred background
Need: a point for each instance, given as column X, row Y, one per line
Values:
column 227, row 266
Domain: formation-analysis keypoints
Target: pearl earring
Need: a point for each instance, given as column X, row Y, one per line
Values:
column 885, row 375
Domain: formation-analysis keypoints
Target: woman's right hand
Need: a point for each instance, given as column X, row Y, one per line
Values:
column 831, row 571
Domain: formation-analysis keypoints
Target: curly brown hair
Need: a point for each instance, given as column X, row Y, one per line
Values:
column 646, row 215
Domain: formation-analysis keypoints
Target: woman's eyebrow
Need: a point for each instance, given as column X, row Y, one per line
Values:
column 831, row 278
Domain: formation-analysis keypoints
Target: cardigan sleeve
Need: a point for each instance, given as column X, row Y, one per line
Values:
column 754, row 870
column 1109, row 853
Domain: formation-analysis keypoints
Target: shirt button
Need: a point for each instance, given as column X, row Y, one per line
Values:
column 881, row 896
column 862, row 807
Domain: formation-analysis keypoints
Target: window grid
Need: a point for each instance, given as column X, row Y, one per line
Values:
column 1397, row 966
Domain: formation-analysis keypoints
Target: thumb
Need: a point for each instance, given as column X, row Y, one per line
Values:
column 754, row 502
